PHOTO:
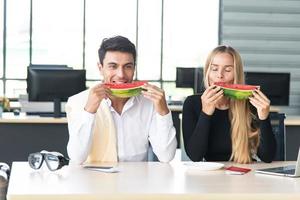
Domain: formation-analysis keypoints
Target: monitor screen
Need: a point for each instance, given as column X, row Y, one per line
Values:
column 190, row 78
column 54, row 84
column 276, row 86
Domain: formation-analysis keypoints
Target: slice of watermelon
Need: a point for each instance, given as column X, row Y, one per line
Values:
column 126, row 90
column 237, row 91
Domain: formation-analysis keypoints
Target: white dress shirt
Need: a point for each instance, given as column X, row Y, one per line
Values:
column 136, row 126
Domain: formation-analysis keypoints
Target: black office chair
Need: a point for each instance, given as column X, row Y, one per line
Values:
column 277, row 122
column 184, row 156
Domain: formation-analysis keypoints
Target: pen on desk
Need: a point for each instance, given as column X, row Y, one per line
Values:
column 98, row 167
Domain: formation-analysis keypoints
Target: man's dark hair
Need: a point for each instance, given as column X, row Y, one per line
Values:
column 117, row 43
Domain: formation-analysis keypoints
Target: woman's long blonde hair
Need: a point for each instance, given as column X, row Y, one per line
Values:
column 244, row 136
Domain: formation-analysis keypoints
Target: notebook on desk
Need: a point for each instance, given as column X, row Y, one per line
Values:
column 290, row 170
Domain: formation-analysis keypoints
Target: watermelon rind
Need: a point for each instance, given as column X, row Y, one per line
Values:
column 237, row 94
column 126, row 93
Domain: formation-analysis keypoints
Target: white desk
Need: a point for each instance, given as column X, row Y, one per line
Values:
column 152, row 180
column 292, row 120
column 22, row 118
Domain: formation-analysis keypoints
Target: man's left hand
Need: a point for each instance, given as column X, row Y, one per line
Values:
column 157, row 96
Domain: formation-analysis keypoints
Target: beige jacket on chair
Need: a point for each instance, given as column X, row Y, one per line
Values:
column 104, row 141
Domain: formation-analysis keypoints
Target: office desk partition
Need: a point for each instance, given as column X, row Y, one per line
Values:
column 21, row 135
column 292, row 136
column 152, row 180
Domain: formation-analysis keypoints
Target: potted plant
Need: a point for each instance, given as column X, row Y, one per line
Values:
column 4, row 105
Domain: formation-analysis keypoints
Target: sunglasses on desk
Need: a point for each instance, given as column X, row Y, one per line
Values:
column 54, row 160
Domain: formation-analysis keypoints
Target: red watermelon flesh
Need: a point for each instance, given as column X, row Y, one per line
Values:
column 236, row 86
column 237, row 91
column 125, row 85
column 126, row 90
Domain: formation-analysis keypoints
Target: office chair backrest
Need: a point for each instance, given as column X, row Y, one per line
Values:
column 277, row 122
column 184, row 156
column 151, row 155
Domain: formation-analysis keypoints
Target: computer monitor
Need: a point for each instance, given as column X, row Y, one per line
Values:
column 54, row 85
column 49, row 66
column 276, row 86
column 190, row 77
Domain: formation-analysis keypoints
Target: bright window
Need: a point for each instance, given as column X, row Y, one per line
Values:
column 190, row 32
column 17, row 38
column 167, row 34
column 15, row 87
column 149, row 40
column 57, row 32
column 1, row 88
column 106, row 19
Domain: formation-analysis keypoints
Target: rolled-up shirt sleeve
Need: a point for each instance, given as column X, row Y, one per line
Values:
column 80, row 123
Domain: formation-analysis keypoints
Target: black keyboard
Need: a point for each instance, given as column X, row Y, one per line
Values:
column 175, row 103
column 291, row 171
column 44, row 114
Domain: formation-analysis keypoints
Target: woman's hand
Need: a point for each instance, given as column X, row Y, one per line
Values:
column 261, row 103
column 209, row 99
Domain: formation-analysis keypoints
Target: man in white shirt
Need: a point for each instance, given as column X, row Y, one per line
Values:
column 138, row 120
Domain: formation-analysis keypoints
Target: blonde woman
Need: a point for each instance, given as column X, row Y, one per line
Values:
column 216, row 128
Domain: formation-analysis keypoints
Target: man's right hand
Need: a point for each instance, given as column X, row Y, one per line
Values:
column 97, row 93
column 209, row 99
